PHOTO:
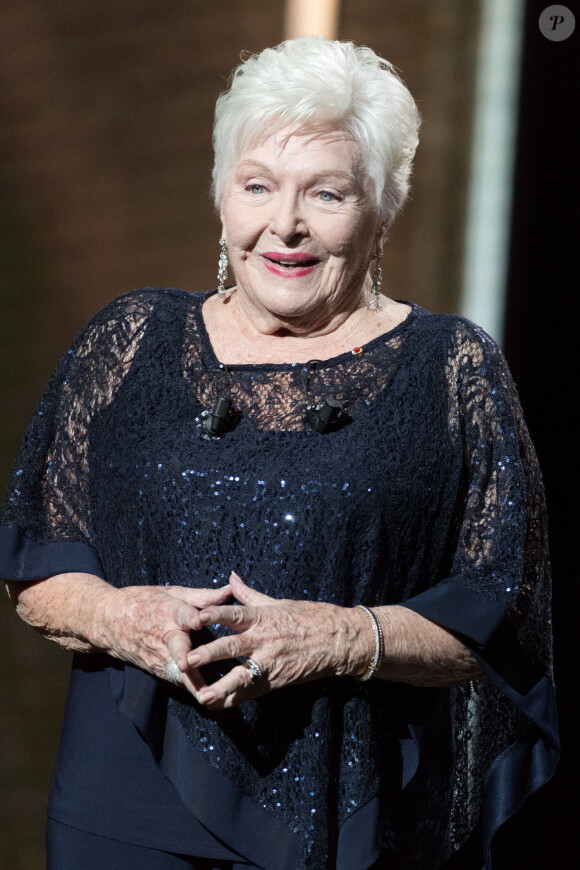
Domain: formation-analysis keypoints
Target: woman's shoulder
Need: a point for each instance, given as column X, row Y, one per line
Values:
column 145, row 302
column 129, row 316
column 461, row 337
column 448, row 323
column 112, row 336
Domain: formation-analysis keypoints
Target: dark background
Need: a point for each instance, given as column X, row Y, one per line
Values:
column 105, row 127
column 542, row 346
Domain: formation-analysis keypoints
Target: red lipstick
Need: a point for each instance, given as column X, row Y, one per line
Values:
column 290, row 264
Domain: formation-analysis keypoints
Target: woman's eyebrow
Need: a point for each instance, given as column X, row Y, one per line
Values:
column 336, row 173
column 255, row 165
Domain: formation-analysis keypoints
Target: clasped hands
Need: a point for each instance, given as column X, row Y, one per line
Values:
column 291, row 641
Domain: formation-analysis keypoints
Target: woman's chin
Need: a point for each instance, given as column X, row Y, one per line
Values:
column 285, row 302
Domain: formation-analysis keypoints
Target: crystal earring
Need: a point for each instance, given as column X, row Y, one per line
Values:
column 223, row 269
column 376, row 285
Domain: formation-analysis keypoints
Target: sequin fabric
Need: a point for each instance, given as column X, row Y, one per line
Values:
column 433, row 479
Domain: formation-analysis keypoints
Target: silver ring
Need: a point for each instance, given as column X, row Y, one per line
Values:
column 172, row 672
column 254, row 669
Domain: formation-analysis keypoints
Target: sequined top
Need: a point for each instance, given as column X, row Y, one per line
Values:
column 428, row 494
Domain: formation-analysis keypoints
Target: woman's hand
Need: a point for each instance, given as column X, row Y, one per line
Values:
column 150, row 625
column 291, row 641
column 144, row 625
column 298, row 641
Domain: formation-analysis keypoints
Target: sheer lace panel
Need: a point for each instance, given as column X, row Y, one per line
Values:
column 53, row 463
column 275, row 397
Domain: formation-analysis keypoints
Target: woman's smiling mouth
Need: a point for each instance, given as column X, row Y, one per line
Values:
column 291, row 265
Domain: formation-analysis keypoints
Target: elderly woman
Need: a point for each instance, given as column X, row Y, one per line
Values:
column 352, row 472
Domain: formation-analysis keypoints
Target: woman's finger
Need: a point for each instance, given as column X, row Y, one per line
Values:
column 232, row 689
column 186, row 614
column 178, row 645
column 231, row 615
column 246, row 594
column 232, row 646
column 183, row 619
column 200, row 597
column 194, row 683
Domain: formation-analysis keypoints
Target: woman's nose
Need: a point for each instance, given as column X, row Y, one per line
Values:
column 287, row 220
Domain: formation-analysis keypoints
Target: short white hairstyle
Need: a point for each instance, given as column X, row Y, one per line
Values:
column 315, row 84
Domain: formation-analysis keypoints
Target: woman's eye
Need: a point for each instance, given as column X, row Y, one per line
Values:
column 255, row 188
column 327, row 196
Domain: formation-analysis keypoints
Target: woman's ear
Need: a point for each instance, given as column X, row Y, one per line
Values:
column 381, row 238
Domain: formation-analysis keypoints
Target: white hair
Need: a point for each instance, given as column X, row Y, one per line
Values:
column 310, row 84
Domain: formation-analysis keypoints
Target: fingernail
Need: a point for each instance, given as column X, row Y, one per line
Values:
column 193, row 660
column 206, row 698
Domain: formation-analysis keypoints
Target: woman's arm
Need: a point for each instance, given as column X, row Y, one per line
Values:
column 300, row 641
column 419, row 651
column 143, row 625
column 65, row 608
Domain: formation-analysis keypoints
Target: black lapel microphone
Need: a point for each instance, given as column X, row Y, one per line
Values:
column 326, row 417
column 215, row 421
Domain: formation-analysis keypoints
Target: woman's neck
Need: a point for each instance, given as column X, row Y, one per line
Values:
column 238, row 339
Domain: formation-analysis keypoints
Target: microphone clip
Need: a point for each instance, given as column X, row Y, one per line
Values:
column 213, row 424
column 326, row 417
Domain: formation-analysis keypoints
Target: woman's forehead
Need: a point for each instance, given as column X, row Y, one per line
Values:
column 332, row 148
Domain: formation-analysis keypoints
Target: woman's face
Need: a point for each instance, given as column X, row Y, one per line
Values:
column 301, row 226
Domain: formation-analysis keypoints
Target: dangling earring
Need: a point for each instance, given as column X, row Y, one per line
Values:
column 223, row 269
column 376, row 286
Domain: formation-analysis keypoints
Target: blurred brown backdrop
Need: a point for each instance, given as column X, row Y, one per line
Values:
column 105, row 123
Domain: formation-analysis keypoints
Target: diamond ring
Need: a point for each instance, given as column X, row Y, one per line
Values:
column 254, row 669
column 172, row 672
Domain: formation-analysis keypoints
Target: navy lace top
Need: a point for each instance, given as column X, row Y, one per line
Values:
column 429, row 496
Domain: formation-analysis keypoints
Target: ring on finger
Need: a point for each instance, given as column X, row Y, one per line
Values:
column 172, row 672
column 254, row 669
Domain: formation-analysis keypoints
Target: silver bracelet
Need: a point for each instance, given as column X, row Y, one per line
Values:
column 379, row 645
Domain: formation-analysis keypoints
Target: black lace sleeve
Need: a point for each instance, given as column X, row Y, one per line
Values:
column 500, row 560
column 496, row 597
column 46, row 524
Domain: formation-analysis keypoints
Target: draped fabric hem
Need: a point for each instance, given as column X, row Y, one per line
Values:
column 243, row 825
column 515, row 776
column 529, row 762
column 106, row 826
